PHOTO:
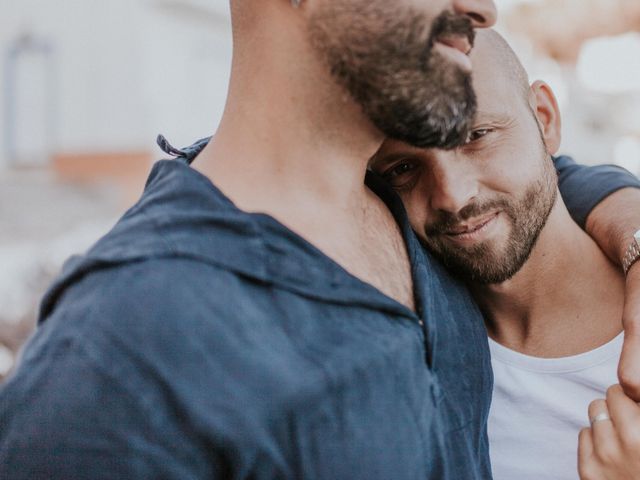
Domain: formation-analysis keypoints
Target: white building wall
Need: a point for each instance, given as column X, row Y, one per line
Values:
column 187, row 47
column 124, row 70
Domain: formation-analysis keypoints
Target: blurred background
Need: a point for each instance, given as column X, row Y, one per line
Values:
column 86, row 85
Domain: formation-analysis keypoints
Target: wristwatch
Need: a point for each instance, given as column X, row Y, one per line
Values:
column 632, row 255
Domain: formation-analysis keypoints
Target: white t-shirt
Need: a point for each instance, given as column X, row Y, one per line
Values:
column 540, row 405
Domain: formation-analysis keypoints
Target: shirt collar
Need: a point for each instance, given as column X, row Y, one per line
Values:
column 182, row 214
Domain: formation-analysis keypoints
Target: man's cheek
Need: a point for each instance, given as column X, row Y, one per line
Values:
column 416, row 219
column 416, row 207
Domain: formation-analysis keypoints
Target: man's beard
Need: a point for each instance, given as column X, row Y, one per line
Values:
column 485, row 263
column 383, row 55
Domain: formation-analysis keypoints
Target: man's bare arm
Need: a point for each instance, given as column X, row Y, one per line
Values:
column 612, row 224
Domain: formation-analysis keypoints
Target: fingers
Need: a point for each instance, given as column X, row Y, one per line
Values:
column 599, row 414
column 624, row 411
column 625, row 414
column 610, row 448
column 585, row 445
column 603, row 433
column 586, row 463
column 629, row 367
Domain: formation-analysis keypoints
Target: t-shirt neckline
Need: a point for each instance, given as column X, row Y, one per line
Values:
column 573, row 363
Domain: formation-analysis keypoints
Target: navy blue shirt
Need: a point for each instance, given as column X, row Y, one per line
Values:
column 197, row 341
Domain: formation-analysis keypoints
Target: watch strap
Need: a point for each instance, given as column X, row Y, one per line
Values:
column 632, row 255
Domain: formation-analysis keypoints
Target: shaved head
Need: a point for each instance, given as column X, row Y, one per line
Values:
column 493, row 58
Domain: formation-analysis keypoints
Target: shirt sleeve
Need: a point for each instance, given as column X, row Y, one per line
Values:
column 87, row 400
column 75, row 421
column 132, row 375
column 584, row 187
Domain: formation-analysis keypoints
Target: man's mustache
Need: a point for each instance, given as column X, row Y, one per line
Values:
column 447, row 221
column 449, row 24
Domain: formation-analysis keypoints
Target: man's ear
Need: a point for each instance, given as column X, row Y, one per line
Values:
column 545, row 107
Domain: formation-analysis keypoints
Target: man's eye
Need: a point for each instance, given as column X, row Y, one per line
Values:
column 399, row 170
column 401, row 176
column 477, row 134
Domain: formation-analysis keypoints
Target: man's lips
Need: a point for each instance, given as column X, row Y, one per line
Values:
column 471, row 226
column 455, row 47
column 459, row 42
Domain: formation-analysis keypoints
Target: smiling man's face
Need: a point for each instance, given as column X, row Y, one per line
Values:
column 480, row 207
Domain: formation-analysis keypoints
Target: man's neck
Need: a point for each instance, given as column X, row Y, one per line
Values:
column 567, row 299
column 294, row 145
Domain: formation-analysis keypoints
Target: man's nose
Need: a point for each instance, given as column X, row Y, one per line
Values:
column 452, row 187
column 482, row 13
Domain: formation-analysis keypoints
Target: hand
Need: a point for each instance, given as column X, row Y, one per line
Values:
column 629, row 366
column 610, row 449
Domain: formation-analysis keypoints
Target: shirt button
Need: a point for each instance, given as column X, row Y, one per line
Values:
column 421, row 322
